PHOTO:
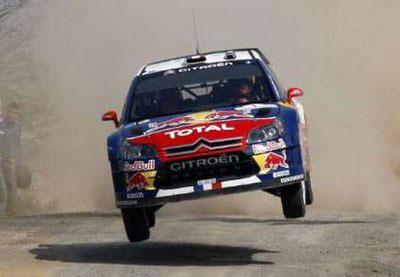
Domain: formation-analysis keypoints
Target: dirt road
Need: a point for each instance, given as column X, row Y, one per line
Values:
column 95, row 245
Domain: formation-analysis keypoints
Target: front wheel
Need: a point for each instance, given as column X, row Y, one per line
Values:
column 293, row 198
column 152, row 218
column 136, row 224
column 151, row 214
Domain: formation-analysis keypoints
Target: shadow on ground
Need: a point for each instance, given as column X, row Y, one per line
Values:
column 277, row 221
column 150, row 253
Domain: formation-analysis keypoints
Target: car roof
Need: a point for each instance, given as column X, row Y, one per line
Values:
column 204, row 58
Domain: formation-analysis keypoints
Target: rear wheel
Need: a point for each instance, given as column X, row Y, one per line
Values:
column 293, row 198
column 136, row 224
column 152, row 218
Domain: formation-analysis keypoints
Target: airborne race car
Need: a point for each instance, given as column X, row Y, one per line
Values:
column 206, row 125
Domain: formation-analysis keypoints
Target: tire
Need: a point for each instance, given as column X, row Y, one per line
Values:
column 136, row 224
column 152, row 218
column 309, row 190
column 293, row 200
column 151, row 214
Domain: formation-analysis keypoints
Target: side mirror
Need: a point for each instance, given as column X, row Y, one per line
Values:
column 111, row 116
column 294, row 92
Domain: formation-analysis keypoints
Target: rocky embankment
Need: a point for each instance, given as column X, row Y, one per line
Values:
column 7, row 5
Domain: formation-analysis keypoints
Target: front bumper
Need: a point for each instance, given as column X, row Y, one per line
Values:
column 255, row 182
column 274, row 169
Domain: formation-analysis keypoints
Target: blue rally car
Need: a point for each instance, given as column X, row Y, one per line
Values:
column 206, row 125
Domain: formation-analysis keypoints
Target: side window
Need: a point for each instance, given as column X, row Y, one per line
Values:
column 128, row 99
column 282, row 91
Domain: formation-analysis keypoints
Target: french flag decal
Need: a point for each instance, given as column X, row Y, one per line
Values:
column 217, row 185
column 198, row 188
column 209, row 184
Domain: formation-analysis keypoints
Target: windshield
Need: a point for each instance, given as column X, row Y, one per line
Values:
column 194, row 89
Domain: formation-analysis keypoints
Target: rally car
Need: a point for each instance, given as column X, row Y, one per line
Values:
column 205, row 125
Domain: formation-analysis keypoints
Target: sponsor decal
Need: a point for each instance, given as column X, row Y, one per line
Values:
column 175, row 122
column 280, row 174
column 259, row 148
column 217, row 185
column 129, row 202
column 135, row 195
column 271, row 161
column 204, row 162
column 292, row 178
column 210, row 184
column 137, row 181
column 204, row 185
column 140, row 166
column 140, row 180
column 199, row 129
column 227, row 114
column 274, row 161
column 204, row 67
column 196, row 118
column 268, row 146
column 206, row 182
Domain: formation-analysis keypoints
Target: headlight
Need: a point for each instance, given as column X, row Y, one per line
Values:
column 138, row 151
column 266, row 133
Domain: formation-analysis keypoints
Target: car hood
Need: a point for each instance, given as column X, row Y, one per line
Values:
column 189, row 135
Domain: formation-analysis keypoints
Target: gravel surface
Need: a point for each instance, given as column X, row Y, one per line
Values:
column 95, row 245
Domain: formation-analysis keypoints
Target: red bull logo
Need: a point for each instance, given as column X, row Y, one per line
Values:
column 274, row 161
column 137, row 181
column 140, row 166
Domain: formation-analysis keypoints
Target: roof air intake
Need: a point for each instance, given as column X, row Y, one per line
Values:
column 196, row 59
column 230, row 55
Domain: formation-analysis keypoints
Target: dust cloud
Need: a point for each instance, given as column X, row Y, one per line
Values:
column 345, row 54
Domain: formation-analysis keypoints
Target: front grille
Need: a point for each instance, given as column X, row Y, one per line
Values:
column 203, row 143
column 167, row 178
